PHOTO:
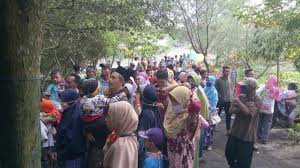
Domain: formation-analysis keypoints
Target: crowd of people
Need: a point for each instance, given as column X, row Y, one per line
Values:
column 156, row 115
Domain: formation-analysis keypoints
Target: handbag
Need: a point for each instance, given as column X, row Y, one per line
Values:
column 214, row 118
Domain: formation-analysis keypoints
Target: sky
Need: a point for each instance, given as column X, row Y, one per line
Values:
column 255, row 2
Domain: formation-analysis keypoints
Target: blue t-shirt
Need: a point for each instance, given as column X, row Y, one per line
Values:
column 53, row 90
column 104, row 85
column 153, row 161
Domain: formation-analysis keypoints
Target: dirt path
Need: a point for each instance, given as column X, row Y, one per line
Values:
column 280, row 152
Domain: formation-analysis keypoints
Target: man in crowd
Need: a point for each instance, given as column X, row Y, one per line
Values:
column 239, row 147
column 204, row 75
column 182, row 77
column 73, row 82
column 130, row 70
column 249, row 73
column 135, row 63
column 104, row 80
column 161, row 83
column 224, row 89
column 90, row 72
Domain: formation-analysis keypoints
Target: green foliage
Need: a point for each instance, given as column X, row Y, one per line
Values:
column 277, row 27
column 84, row 31
column 295, row 133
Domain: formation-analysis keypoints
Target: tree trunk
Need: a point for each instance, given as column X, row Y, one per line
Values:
column 20, row 54
column 278, row 70
column 206, row 63
column 113, row 60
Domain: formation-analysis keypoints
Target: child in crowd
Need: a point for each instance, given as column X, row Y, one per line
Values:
column 49, row 117
column 55, row 87
column 153, row 139
column 93, row 104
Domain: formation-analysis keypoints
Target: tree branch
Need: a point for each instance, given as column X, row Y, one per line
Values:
column 265, row 70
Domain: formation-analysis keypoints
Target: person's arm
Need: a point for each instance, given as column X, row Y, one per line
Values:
column 170, row 88
column 237, row 106
column 233, row 108
column 290, row 98
column 218, row 88
column 106, row 101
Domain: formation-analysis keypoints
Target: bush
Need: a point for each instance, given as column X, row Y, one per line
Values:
column 295, row 133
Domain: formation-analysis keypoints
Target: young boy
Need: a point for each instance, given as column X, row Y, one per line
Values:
column 55, row 87
column 93, row 104
column 153, row 139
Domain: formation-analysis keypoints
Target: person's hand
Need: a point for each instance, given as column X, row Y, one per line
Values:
column 249, row 104
column 53, row 156
column 137, row 96
column 186, row 84
column 90, row 137
column 160, row 105
column 123, row 94
column 236, row 101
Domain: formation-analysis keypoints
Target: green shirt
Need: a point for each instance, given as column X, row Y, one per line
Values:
column 224, row 89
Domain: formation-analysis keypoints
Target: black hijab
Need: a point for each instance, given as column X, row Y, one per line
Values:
column 150, row 116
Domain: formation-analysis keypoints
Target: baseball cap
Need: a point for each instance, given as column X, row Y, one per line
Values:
column 153, row 134
column 250, row 82
column 105, row 66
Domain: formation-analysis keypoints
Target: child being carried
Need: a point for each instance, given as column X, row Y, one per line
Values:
column 93, row 105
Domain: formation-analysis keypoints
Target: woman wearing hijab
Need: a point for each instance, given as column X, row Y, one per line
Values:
column 205, row 113
column 149, row 118
column 141, row 82
column 121, row 148
column 70, row 141
column 212, row 96
column 171, row 79
column 194, row 81
column 269, row 94
column 180, row 124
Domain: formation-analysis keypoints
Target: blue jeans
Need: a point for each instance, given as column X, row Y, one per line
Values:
column 264, row 126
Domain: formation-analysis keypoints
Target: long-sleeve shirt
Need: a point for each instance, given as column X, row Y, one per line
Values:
column 245, row 123
column 70, row 141
column 93, row 108
column 224, row 90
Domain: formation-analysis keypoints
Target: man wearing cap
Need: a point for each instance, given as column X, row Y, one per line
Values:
column 90, row 73
column 240, row 143
column 116, row 83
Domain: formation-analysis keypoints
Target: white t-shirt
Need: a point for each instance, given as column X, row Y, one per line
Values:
column 268, row 102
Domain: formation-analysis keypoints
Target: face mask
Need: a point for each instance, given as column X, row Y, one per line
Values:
column 66, row 105
column 245, row 89
column 209, row 83
column 177, row 108
column 194, row 107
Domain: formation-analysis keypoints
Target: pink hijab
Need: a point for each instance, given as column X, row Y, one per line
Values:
column 272, row 86
column 145, row 76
